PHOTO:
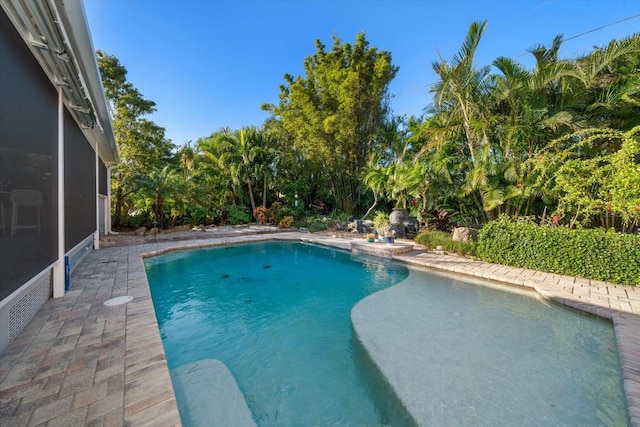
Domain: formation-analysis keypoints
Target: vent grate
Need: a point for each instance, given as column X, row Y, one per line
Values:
column 26, row 308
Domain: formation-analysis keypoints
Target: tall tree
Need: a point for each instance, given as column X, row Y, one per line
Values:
column 142, row 144
column 334, row 111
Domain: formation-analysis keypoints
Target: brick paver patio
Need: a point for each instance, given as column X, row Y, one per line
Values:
column 80, row 362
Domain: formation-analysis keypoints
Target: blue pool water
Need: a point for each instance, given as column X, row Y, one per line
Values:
column 277, row 314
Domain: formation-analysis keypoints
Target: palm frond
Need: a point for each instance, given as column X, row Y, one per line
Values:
column 600, row 59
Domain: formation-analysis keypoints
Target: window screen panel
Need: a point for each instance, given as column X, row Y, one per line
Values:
column 102, row 175
column 28, row 161
column 79, row 185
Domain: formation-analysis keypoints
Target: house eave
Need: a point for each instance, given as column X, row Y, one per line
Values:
column 57, row 34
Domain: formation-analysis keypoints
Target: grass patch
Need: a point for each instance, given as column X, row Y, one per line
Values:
column 433, row 239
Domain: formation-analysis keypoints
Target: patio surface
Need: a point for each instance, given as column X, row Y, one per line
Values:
column 79, row 362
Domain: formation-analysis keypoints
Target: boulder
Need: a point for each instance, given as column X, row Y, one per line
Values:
column 464, row 234
column 141, row 231
column 399, row 230
column 411, row 225
column 356, row 226
column 398, row 216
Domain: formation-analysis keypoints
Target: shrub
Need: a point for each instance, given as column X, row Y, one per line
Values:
column 296, row 211
column 592, row 253
column 199, row 215
column 275, row 212
column 433, row 239
column 301, row 223
column 222, row 216
column 261, row 214
column 382, row 225
column 440, row 219
column 137, row 220
column 286, row 222
column 380, row 218
column 339, row 215
column 316, row 226
column 238, row 215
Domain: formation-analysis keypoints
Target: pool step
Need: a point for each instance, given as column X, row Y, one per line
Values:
column 208, row 395
column 385, row 250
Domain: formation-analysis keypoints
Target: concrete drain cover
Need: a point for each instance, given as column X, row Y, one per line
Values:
column 118, row 300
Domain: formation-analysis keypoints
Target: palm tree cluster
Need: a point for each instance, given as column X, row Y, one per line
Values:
column 502, row 139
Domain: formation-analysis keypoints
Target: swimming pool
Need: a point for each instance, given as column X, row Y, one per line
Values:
column 260, row 309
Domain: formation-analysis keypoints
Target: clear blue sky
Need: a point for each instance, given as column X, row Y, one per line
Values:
column 211, row 63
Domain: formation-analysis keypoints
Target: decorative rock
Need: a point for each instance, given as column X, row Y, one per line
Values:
column 398, row 216
column 464, row 234
column 141, row 231
column 411, row 225
column 399, row 230
column 154, row 231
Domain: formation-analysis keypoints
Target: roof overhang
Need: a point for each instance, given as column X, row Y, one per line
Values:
column 57, row 34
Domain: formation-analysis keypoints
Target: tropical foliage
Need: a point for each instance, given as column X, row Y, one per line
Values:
column 536, row 142
column 559, row 142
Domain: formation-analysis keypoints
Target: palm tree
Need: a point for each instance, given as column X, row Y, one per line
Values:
column 265, row 160
column 186, row 155
column 462, row 89
column 461, row 97
column 250, row 157
column 157, row 187
column 532, row 108
column 238, row 152
column 613, row 84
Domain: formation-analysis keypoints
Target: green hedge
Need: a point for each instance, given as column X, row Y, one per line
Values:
column 592, row 253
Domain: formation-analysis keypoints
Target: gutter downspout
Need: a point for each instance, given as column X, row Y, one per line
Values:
column 59, row 268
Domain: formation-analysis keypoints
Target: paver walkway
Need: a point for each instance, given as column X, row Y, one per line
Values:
column 79, row 362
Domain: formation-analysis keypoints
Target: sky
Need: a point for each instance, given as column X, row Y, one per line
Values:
column 209, row 64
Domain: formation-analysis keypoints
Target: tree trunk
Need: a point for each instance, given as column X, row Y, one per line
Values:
column 158, row 210
column 264, row 192
column 373, row 206
column 253, row 202
column 477, row 198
